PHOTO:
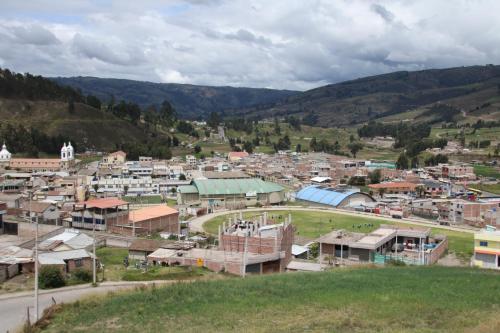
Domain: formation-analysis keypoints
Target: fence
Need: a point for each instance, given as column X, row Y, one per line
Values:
column 382, row 259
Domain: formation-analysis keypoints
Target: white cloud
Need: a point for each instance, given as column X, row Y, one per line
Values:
column 292, row 44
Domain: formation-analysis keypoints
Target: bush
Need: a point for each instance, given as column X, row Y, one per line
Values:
column 51, row 277
column 395, row 262
column 82, row 275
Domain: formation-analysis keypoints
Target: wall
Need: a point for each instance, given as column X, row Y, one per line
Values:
column 437, row 252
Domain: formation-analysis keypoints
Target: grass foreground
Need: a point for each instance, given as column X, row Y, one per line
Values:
column 391, row 299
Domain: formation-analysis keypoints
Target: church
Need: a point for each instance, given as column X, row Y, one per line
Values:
column 66, row 161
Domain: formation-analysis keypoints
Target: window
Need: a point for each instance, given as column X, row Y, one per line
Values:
column 78, row 262
column 483, row 243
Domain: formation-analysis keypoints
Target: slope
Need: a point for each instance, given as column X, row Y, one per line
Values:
column 190, row 101
column 394, row 299
column 474, row 89
column 89, row 127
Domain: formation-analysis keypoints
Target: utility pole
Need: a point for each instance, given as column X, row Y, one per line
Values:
column 245, row 249
column 36, row 259
column 93, row 249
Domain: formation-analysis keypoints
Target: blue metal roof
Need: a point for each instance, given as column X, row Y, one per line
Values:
column 324, row 195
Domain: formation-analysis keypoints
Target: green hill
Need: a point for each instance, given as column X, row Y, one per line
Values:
column 190, row 101
column 474, row 91
column 38, row 115
column 87, row 126
column 392, row 299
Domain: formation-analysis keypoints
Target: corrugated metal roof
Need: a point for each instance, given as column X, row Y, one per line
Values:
column 57, row 258
column 187, row 189
column 324, row 195
column 235, row 186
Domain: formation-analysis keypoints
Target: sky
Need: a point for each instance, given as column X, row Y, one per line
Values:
column 281, row 44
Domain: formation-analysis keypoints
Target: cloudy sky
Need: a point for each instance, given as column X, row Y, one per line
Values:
column 292, row 44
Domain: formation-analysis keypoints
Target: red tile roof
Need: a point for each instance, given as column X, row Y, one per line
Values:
column 238, row 154
column 104, row 203
column 152, row 212
column 394, row 185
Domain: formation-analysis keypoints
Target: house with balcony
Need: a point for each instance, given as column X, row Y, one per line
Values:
column 108, row 214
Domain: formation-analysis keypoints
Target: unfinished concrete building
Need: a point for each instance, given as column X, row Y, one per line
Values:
column 245, row 247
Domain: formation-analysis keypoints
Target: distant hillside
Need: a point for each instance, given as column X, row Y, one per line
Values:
column 87, row 126
column 37, row 115
column 474, row 90
column 190, row 101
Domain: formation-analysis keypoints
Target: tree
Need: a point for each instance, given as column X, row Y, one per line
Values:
column 375, row 176
column 402, row 162
column 50, row 277
column 197, row 149
column 313, row 144
column 93, row 102
column 420, row 190
column 167, row 113
column 298, row 148
column 248, row 147
column 182, row 176
column 213, row 120
column 355, row 147
column 414, row 162
column 71, row 106
column 277, row 128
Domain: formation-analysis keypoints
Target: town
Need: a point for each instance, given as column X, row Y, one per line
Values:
column 153, row 208
column 249, row 166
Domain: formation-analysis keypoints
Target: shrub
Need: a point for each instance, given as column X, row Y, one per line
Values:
column 82, row 275
column 51, row 277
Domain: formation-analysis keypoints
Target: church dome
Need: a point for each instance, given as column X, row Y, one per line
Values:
column 5, row 155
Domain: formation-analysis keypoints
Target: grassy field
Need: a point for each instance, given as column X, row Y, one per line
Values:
column 492, row 188
column 391, row 299
column 486, row 171
column 313, row 224
column 114, row 270
column 146, row 199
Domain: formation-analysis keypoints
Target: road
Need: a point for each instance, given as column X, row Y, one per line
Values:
column 196, row 224
column 13, row 307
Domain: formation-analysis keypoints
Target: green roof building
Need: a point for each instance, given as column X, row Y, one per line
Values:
column 230, row 193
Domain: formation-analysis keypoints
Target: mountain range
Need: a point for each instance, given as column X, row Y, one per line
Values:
column 190, row 101
column 473, row 90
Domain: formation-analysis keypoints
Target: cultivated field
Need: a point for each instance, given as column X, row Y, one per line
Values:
column 391, row 299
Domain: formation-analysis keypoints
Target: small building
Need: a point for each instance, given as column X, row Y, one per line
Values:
column 141, row 248
column 159, row 218
column 108, row 214
column 41, row 212
column 67, row 261
column 236, row 156
column 405, row 188
column 245, row 247
column 114, row 159
column 487, row 248
column 333, row 197
column 410, row 245
column 69, row 239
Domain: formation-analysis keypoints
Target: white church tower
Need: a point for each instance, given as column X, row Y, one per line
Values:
column 5, row 155
column 70, row 153
column 64, row 153
column 67, row 156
